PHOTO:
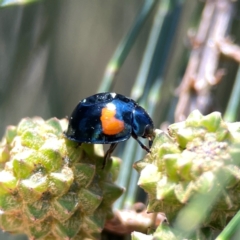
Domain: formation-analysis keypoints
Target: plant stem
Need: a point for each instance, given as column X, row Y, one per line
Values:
column 125, row 46
column 230, row 229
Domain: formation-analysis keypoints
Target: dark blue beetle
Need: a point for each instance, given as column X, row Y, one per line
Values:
column 109, row 118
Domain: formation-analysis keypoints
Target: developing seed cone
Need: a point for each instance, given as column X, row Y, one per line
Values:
column 198, row 157
column 50, row 188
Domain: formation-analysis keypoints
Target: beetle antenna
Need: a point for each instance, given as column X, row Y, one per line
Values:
column 150, row 143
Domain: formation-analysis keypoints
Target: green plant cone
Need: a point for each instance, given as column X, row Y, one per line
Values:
column 50, row 188
column 197, row 157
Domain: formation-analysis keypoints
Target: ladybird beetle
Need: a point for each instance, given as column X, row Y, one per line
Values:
column 109, row 118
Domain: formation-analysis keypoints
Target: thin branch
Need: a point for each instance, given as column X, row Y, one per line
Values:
column 202, row 71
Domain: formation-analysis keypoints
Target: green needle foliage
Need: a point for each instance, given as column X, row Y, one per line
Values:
column 6, row 3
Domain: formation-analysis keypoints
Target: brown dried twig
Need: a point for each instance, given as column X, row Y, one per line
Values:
column 202, row 71
column 229, row 49
column 136, row 219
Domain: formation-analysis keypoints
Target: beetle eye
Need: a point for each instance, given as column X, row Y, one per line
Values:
column 148, row 131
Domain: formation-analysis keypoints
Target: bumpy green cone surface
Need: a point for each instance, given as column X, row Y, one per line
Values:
column 50, row 188
column 199, row 156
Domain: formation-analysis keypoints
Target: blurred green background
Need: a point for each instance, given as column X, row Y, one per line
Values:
column 54, row 53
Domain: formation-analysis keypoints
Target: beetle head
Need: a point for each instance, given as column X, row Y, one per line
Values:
column 142, row 124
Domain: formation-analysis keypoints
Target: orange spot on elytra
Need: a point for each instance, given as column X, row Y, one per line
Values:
column 110, row 124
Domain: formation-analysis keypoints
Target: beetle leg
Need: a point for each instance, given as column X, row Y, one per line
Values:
column 78, row 144
column 108, row 154
column 140, row 143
